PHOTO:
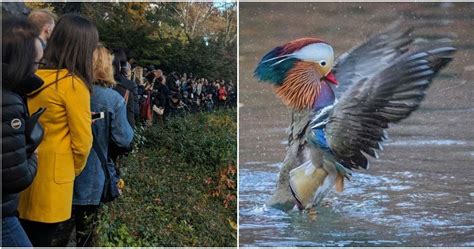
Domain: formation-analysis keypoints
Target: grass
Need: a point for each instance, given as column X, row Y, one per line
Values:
column 180, row 186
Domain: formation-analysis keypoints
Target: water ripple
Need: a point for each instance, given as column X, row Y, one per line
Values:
column 432, row 142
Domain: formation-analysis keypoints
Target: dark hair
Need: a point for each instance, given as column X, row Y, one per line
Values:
column 72, row 45
column 120, row 60
column 160, row 79
column 130, row 54
column 18, row 51
column 150, row 76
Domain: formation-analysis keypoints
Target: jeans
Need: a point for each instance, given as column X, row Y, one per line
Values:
column 13, row 234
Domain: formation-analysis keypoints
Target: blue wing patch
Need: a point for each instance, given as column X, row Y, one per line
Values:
column 317, row 138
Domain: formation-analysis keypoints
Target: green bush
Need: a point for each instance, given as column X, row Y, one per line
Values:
column 204, row 142
column 180, row 186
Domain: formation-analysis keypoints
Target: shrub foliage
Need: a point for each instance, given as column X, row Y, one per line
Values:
column 180, row 186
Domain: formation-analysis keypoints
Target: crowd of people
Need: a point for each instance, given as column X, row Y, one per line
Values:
column 157, row 96
column 69, row 109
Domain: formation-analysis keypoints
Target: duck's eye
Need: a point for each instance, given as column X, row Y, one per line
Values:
column 322, row 63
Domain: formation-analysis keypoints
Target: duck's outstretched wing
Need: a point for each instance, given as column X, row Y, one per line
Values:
column 381, row 50
column 357, row 63
column 356, row 125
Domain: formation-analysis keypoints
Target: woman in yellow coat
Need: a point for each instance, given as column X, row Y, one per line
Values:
column 67, row 123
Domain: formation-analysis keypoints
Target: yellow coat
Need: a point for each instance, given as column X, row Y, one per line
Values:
column 65, row 147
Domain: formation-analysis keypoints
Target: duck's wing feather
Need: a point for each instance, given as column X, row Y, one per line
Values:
column 357, row 63
column 381, row 49
column 356, row 125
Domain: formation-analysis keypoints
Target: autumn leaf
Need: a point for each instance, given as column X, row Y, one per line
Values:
column 230, row 184
column 208, row 181
column 121, row 184
column 232, row 224
column 232, row 170
column 228, row 199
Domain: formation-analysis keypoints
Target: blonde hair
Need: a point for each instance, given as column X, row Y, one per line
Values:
column 41, row 17
column 138, row 75
column 103, row 69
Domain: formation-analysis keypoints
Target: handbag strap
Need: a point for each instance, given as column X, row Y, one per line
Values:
column 127, row 94
column 100, row 153
column 103, row 161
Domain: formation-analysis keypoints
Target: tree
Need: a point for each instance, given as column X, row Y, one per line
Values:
column 198, row 37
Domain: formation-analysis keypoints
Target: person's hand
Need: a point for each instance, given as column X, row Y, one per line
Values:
column 93, row 121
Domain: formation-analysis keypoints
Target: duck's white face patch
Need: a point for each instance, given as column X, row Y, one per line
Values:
column 320, row 53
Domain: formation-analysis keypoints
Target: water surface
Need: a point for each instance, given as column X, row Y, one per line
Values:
column 420, row 192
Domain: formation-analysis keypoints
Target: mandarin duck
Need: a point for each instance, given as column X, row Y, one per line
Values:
column 342, row 108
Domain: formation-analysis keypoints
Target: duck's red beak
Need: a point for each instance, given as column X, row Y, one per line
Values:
column 331, row 78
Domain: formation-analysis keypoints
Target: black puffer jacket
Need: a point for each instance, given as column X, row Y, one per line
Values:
column 18, row 168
